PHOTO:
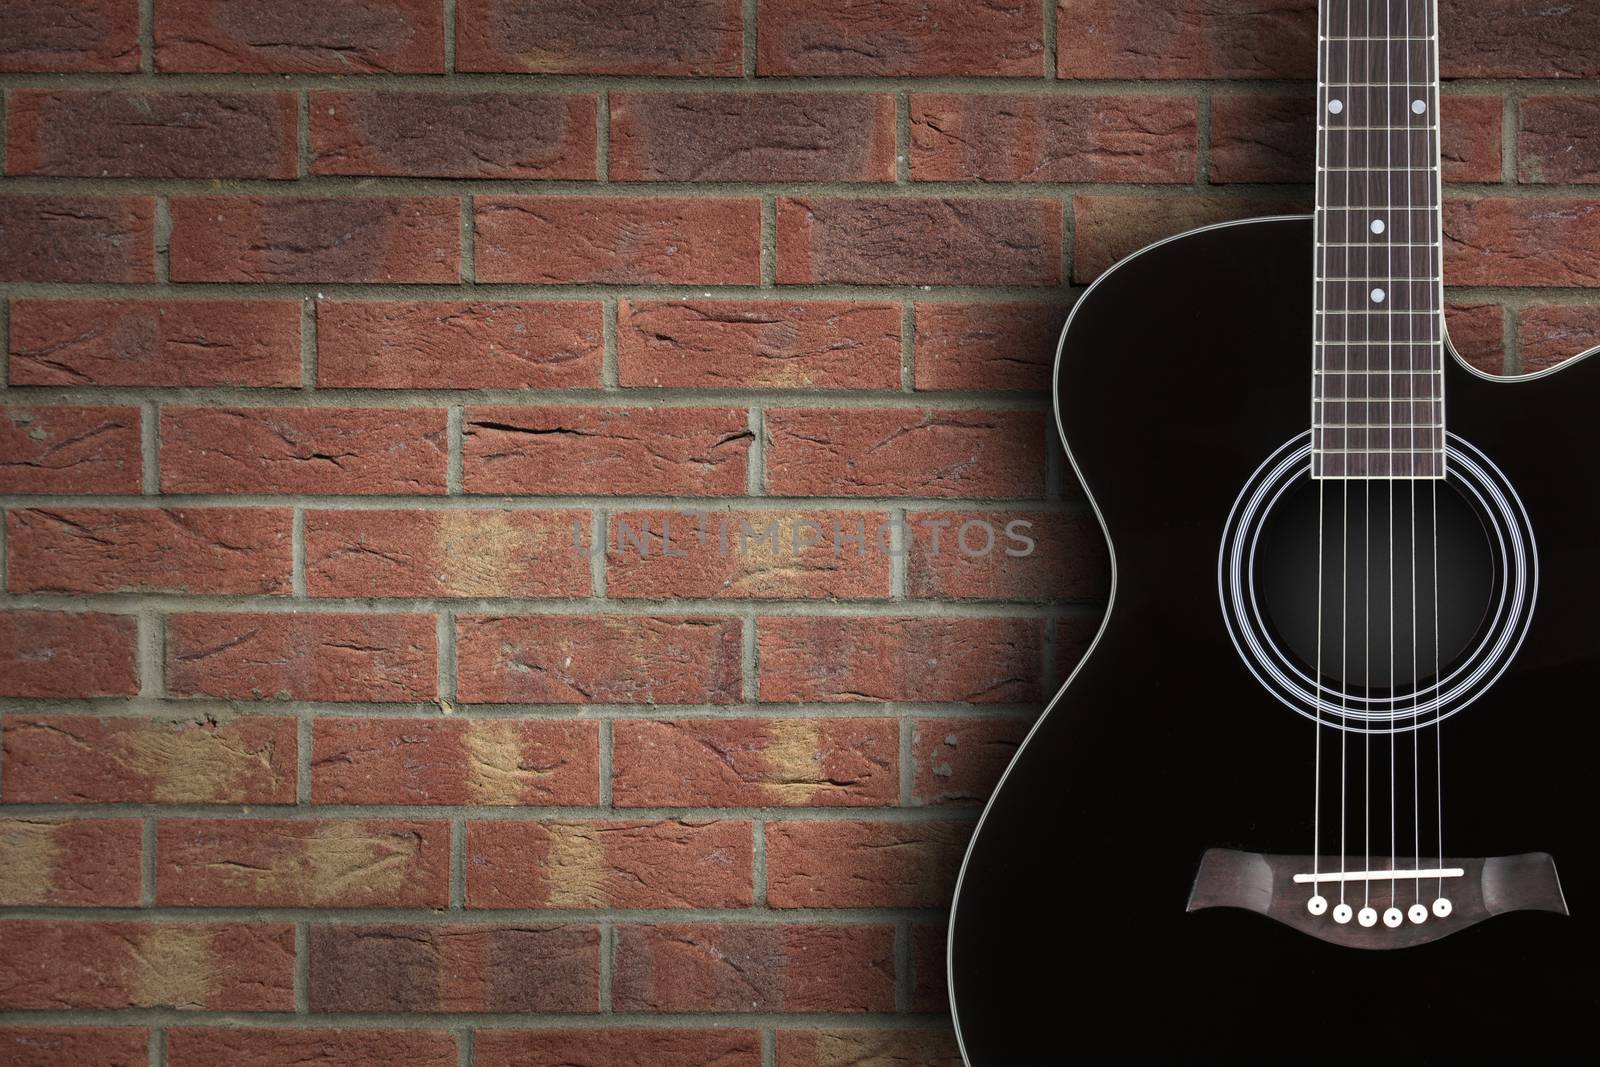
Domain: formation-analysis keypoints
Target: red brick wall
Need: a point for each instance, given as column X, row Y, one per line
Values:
column 328, row 321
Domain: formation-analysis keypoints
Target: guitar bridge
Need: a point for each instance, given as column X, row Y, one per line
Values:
column 1395, row 907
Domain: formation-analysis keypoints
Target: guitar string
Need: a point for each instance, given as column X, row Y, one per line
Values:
column 1316, row 772
column 1411, row 395
column 1389, row 431
column 1388, row 203
column 1431, row 21
column 1344, row 550
column 1366, row 196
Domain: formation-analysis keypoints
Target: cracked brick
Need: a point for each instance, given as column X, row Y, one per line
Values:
column 604, row 659
column 346, row 657
column 453, row 135
column 112, row 133
column 899, row 659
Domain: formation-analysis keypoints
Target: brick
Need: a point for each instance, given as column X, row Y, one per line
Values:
column 67, row 654
column 867, row 1048
column 831, row 452
column 129, row 550
column 70, row 863
column 54, row 965
column 606, row 451
column 71, row 759
column 959, row 761
column 113, row 133
column 924, row 659
column 275, row 1046
column 300, row 36
column 381, row 344
column 745, row 967
column 1110, row 227
column 711, row 344
column 617, row 1048
column 301, row 863
column 930, row 987
column 303, row 450
column 61, row 1046
column 1478, row 332
column 520, row 968
column 1503, row 241
column 392, row 553
column 816, row 762
column 455, row 761
column 901, row 37
column 991, row 137
column 301, row 657
column 1155, row 39
column 1511, row 39
column 77, row 238
column 65, row 36
column 316, row 239
column 986, row 346
column 155, row 342
column 752, row 137
column 1257, row 138
column 70, row 450
column 1551, row 334
column 559, row 240
column 668, row 864
column 453, row 135
column 1559, row 140
column 918, row 241
column 817, row 864
column 1022, row 555
column 604, row 659
column 695, row 37
column 748, row 555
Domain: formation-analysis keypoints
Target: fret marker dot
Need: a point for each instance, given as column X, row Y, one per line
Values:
column 1335, row 106
column 1378, row 226
column 1419, row 106
column 1377, row 296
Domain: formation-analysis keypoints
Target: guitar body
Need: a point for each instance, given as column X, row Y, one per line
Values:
column 1181, row 372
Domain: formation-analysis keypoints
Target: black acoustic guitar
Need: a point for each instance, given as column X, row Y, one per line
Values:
column 1324, row 788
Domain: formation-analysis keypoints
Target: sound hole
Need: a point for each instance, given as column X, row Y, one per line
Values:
column 1378, row 587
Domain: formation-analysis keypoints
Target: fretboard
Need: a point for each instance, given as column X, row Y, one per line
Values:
column 1378, row 386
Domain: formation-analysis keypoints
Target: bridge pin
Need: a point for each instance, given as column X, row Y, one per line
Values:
column 1441, row 907
column 1317, row 904
column 1417, row 914
column 1342, row 913
column 1392, row 918
column 1368, row 917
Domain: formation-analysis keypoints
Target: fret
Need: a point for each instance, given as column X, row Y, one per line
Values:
column 1405, row 224
column 1416, row 264
column 1362, row 389
column 1398, row 292
column 1381, row 356
column 1383, row 411
column 1331, row 129
column 1333, row 280
column 1379, row 465
column 1381, row 189
column 1405, row 62
column 1363, row 312
column 1378, row 439
column 1386, row 38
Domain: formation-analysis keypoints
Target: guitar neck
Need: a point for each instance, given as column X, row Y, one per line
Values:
column 1378, row 386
